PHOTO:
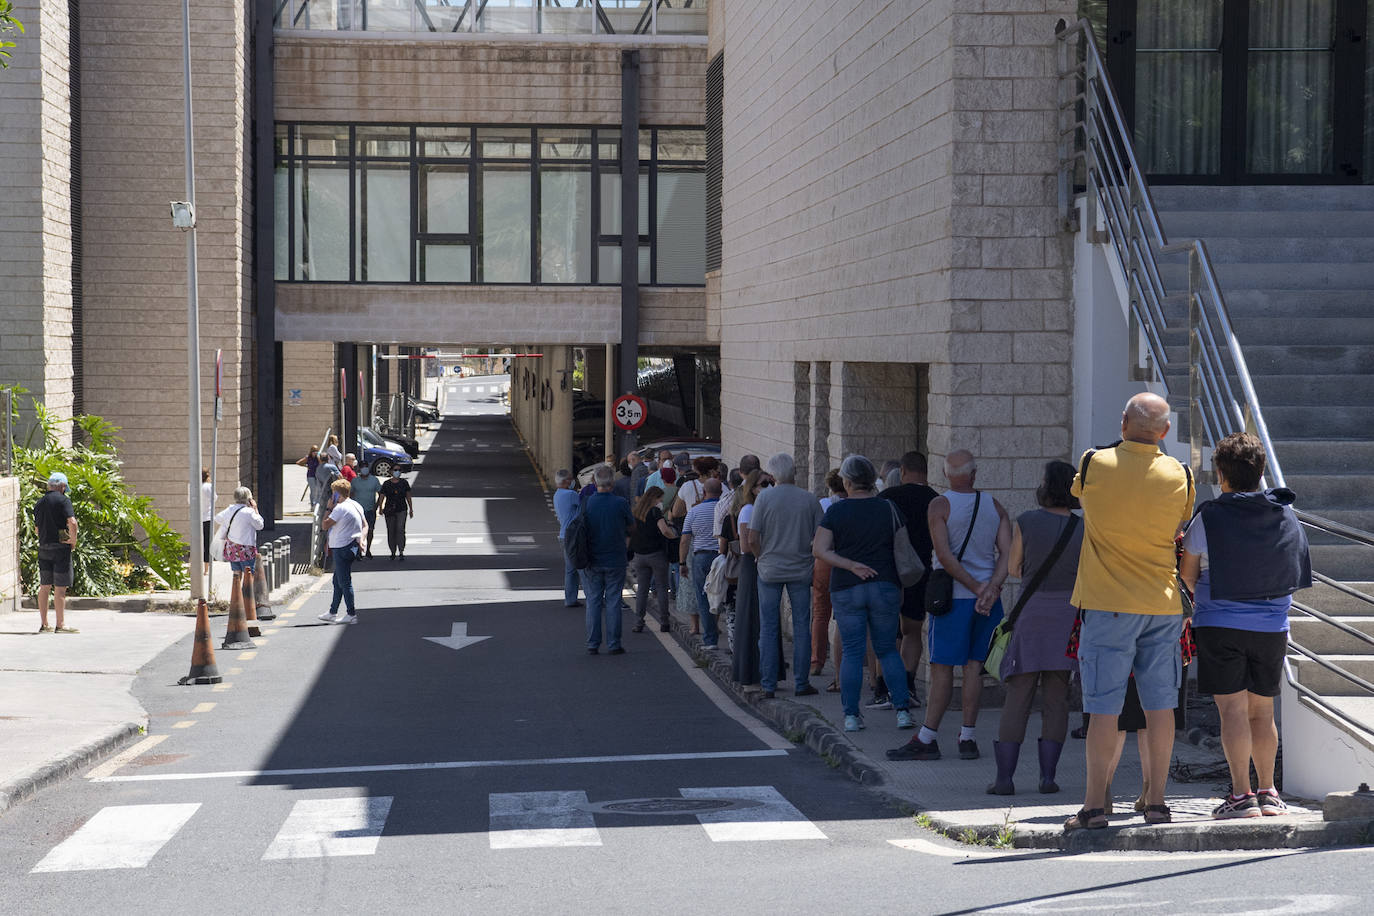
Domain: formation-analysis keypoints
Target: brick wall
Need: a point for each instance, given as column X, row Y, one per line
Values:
column 309, row 367
column 35, row 209
column 9, row 544
column 912, row 223
column 135, row 266
column 474, row 81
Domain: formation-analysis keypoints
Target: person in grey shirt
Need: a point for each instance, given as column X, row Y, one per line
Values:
column 780, row 532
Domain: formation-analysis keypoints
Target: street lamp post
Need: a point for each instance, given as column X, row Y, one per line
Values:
column 184, row 218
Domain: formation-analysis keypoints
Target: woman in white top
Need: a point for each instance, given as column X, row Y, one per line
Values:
column 346, row 527
column 207, row 515
column 332, row 450
column 241, row 523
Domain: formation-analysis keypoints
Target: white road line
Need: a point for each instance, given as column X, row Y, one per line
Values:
column 525, row 820
column 470, row 539
column 109, row 767
column 411, row 539
column 717, row 696
column 319, row 827
column 775, row 819
column 444, row 765
column 122, row 836
column 520, row 538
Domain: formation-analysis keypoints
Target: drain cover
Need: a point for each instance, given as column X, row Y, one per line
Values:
column 662, row 806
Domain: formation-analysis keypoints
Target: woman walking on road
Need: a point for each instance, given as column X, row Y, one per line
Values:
column 1041, row 629
column 649, row 542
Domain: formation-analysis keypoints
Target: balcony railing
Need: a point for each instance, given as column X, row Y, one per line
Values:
column 606, row 18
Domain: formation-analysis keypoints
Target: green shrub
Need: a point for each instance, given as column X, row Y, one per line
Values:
column 122, row 545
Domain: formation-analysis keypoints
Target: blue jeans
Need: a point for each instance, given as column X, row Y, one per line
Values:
column 701, row 567
column 869, row 608
column 603, row 585
column 571, row 580
column 770, row 622
column 343, row 580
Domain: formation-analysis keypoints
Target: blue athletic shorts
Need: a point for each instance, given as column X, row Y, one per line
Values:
column 963, row 634
column 1113, row 645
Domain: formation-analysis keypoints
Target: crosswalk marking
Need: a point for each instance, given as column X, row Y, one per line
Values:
column 525, row 820
column 123, row 836
column 775, row 819
column 318, row 827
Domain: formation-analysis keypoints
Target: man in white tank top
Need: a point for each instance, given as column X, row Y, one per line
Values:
column 959, row 639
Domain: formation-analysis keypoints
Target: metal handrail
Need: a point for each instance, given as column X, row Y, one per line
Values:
column 1328, row 619
column 1333, row 668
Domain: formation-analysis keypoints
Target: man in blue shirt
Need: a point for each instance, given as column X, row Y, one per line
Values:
column 609, row 523
column 565, row 504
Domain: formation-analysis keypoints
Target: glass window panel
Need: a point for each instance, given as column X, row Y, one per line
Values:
column 442, row 16
column 504, row 142
column 321, row 222
column 281, row 224
column 565, row 225
column 681, row 145
column 608, row 264
column 1178, row 86
column 382, row 236
column 444, row 263
column 506, row 16
column 382, row 141
column 608, row 145
column 564, row 17
column 444, row 200
column 646, row 144
column 279, row 143
column 443, row 142
column 627, row 17
column 570, row 143
column 610, row 203
column 681, row 227
column 682, row 18
column 322, row 140
column 1290, row 60
column 504, row 252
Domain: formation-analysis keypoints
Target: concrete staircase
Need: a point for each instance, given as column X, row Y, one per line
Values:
column 1296, row 265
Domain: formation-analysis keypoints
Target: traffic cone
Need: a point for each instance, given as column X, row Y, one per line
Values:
column 236, row 633
column 203, row 667
column 250, row 609
column 261, row 597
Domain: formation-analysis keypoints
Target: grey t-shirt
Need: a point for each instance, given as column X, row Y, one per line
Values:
column 785, row 519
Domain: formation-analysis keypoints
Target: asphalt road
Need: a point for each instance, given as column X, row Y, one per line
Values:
column 372, row 769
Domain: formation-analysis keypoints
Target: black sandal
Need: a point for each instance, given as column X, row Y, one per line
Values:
column 1158, row 814
column 1087, row 819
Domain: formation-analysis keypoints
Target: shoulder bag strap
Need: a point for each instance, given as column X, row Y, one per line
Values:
column 1043, row 571
column 977, row 499
column 229, row 525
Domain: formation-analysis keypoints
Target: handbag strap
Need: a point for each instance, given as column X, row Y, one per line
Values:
column 973, row 519
column 1044, row 570
column 229, row 525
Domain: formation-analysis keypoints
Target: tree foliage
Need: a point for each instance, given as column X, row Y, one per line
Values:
column 123, row 545
column 8, row 26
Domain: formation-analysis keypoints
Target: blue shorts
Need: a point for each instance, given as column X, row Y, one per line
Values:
column 241, row 565
column 962, row 635
column 1112, row 646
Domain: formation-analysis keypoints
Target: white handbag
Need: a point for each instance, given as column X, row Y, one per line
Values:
column 221, row 533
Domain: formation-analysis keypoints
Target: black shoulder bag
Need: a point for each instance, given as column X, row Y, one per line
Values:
column 1001, row 637
column 940, row 585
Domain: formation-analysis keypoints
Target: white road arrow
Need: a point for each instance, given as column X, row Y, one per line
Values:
column 458, row 639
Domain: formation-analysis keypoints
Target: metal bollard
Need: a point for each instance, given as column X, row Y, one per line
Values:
column 268, row 572
column 285, row 558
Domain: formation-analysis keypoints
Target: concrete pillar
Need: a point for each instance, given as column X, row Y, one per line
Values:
column 560, row 361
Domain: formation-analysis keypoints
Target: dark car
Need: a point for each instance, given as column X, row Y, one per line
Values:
column 380, row 454
column 424, row 411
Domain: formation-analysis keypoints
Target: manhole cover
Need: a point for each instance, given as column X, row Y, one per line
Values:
column 661, row 806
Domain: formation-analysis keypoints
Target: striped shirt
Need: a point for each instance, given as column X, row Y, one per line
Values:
column 700, row 519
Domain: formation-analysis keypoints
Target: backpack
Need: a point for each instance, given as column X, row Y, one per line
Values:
column 576, row 540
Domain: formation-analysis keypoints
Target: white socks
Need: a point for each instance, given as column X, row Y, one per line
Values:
column 966, row 732
column 927, row 735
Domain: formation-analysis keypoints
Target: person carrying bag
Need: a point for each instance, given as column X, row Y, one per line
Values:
column 940, row 585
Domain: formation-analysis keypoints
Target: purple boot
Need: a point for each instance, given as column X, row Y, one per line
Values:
column 1006, row 753
column 1049, row 762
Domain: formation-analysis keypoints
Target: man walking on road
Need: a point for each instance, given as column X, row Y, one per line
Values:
column 781, row 531
column 54, row 518
column 1135, row 501
column 609, row 524
column 565, row 503
column 971, row 540
column 396, row 507
column 365, row 490
column 346, row 528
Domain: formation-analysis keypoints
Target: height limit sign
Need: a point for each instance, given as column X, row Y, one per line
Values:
column 630, row 412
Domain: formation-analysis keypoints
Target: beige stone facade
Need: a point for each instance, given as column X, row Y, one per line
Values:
column 9, row 544
column 902, row 283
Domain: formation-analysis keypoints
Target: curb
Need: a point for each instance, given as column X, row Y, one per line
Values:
column 795, row 721
column 16, row 791
column 162, row 603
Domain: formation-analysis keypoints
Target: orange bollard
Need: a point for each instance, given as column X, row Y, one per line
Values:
column 236, row 633
column 203, row 667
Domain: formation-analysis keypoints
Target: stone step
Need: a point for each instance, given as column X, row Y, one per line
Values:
column 1335, row 602
column 1348, row 491
column 1294, row 247
column 1182, row 225
column 1324, row 455
column 1344, row 562
column 1300, row 304
column 1296, row 359
column 1329, row 683
column 1311, row 198
column 1297, row 390
column 1262, row 274
column 1322, row 638
column 1265, row 329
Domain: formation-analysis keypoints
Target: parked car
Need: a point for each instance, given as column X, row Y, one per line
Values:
column 425, row 411
column 381, row 457
column 377, row 438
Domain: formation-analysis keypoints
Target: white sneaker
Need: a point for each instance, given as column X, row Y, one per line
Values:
column 329, row 618
column 348, row 619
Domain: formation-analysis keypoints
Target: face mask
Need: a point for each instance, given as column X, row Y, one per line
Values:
column 364, row 471
column 395, row 472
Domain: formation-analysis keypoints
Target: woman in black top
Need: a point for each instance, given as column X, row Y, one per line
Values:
column 648, row 542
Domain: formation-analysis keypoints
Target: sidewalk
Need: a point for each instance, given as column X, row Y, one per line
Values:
column 952, row 792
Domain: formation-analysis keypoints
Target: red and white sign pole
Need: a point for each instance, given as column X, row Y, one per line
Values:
column 214, row 454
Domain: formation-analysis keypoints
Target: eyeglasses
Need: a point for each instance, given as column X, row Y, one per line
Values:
column 765, row 483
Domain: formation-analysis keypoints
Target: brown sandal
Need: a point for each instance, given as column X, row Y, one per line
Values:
column 1086, row 819
column 832, row 687
column 1158, row 814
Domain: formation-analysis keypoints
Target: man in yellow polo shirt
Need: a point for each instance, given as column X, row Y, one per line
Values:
column 1135, row 500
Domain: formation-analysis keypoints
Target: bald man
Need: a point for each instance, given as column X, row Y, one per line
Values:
column 1135, row 500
